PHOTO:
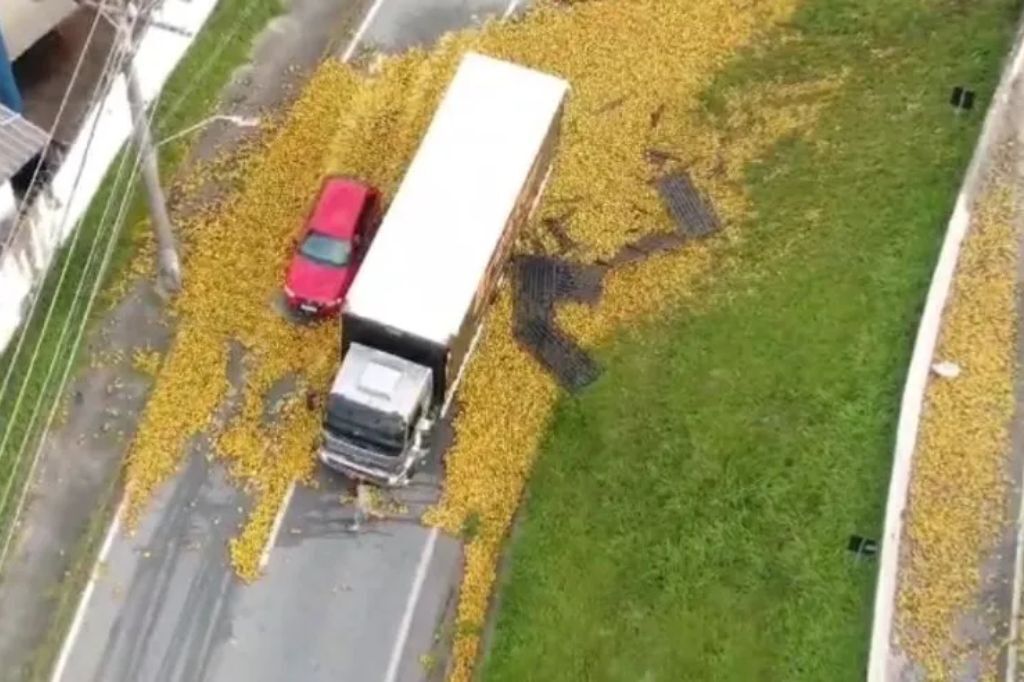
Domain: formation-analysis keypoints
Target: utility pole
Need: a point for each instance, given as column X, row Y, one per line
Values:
column 168, row 262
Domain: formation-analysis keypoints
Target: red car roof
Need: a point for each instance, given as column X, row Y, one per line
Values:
column 338, row 207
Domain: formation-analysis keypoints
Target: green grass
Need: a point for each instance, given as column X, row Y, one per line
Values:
column 188, row 97
column 703, row 535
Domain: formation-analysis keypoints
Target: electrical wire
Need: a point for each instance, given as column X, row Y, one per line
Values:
column 145, row 16
column 112, row 240
column 115, row 60
column 52, row 132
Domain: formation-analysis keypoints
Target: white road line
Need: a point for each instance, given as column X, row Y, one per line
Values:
column 115, row 525
column 410, row 606
column 428, row 548
column 283, row 509
column 276, row 528
column 361, row 31
column 402, row 637
column 510, row 9
column 90, row 587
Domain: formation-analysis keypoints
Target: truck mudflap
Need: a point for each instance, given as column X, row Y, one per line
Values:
column 365, row 472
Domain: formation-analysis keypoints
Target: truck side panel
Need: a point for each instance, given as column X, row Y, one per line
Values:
column 528, row 199
column 454, row 204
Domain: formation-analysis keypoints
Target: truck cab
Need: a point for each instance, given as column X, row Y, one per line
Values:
column 378, row 416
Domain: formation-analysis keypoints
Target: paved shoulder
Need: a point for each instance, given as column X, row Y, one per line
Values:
column 336, row 593
column 161, row 608
column 402, row 24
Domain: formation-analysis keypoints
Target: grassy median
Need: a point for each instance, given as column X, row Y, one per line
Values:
column 688, row 516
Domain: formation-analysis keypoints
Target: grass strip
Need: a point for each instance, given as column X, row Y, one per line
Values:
column 688, row 516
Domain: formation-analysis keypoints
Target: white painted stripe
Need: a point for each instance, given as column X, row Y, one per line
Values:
column 115, row 525
column 361, row 31
column 510, row 9
column 276, row 528
column 917, row 378
column 410, row 606
column 90, row 587
column 283, row 510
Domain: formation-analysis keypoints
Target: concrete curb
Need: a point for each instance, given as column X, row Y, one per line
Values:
column 881, row 663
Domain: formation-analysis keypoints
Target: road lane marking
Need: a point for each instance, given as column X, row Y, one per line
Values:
column 510, row 9
column 363, row 27
column 276, row 528
column 90, row 587
column 115, row 525
column 402, row 637
column 410, row 605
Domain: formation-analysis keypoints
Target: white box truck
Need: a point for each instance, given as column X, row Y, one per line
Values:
column 414, row 312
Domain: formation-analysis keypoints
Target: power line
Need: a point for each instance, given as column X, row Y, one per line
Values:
column 29, row 429
column 99, row 9
column 52, row 133
column 210, row 61
column 168, row 263
column 112, row 240
column 118, row 227
column 110, row 69
column 67, row 321
column 115, row 56
column 104, row 265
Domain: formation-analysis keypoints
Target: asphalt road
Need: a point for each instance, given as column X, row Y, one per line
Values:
column 340, row 599
column 400, row 24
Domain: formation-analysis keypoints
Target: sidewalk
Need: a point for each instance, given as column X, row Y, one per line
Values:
column 953, row 567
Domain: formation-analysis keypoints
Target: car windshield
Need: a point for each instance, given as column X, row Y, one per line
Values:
column 326, row 250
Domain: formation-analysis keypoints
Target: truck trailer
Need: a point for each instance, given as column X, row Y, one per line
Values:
column 414, row 313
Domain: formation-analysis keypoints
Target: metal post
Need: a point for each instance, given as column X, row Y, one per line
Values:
column 168, row 263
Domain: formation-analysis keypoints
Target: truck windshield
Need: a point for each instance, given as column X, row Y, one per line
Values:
column 326, row 250
column 384, row 432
